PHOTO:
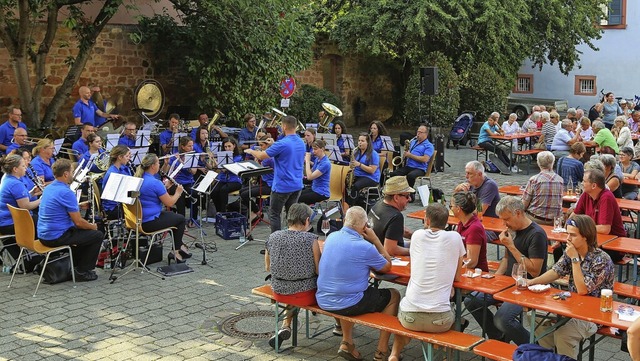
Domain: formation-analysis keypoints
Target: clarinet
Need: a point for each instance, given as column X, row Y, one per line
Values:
column 34, row 177
column 164, row 175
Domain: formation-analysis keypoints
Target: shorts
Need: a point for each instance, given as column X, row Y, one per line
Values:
column 427, row 321
column 373, row 300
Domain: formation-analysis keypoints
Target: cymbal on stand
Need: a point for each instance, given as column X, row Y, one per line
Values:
column 144, row 110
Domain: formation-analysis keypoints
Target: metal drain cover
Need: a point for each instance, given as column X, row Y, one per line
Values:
column 249, row 325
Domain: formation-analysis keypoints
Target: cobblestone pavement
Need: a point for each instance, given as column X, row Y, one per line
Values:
column 140, row 317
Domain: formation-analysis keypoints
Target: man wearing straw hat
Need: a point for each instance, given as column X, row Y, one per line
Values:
column 387, row 219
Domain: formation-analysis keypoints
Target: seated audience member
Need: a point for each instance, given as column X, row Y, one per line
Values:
column 570, row 168
column 599, row 203
column 634, row 122
column 564, row 139
column 490, row 128
column 633, row 341
column 611, row 178
column 463, row 206
column 590, row 270
column 586, row 133
column 629, row 170
column 292, row 258
column 319, row 174
column 60, row 223
column 529, row 246
column 511, row 126
column 348, row 257
column 542, row 196
column 426, row 306
column 603, row 137
column 622, row 132
column 387, row 219
column 548, row 128
column 530, row 124
column 14, row 192
column 485, row 188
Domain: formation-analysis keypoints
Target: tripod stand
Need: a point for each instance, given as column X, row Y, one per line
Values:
column 203, row 187
column 255, row 171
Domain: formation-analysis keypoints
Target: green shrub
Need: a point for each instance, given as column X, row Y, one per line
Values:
column 483, row 90
column 307, row 101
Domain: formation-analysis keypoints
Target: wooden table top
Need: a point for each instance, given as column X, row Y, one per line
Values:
column 631, row 181
column 577, row 306
column 623, row 244
column 516, row 135
column 512, row 190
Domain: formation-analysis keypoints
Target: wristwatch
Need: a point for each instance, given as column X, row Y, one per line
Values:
column 575, row 260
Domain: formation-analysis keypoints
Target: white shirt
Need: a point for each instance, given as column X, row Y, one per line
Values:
column 510, row 129
column 434, row 261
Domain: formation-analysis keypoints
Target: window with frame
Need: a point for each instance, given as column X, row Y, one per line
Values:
column 614, row 15
column 524, row 84
column 585, row 85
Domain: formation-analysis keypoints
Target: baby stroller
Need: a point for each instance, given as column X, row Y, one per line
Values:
column 459, row 134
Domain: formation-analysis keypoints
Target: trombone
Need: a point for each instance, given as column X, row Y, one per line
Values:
column 332, row 112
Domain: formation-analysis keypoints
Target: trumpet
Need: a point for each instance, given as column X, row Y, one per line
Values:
column 68, row 152
column 332, row 112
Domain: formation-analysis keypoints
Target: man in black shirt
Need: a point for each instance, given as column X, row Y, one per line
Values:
column 387, row 219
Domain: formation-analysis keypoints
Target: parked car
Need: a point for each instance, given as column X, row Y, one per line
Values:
column 522, row 105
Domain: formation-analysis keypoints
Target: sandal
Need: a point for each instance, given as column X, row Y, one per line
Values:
column 381, row 355
column 348, row 354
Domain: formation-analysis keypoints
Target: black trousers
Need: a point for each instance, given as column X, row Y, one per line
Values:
column 85, row 244
column 500, row 152
column 257, row 190
column 220, row 194
column 358, row 184
column 184, row 201
column 166, row 220
column 411, row 173
column 309, row 197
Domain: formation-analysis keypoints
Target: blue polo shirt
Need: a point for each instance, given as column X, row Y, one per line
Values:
column 362, row 158
column 86, row 112
column 246, row 136
column 165, row 138
column 43, row 169
column 12, row 147
column 126, row 141
column 288, row 154
column 340, row 143
column 11, row 189
column 124, row 170
column 423, row 148
column 150, row 192
column 268, row 178
column 320, row 185
column 80, row 146
column 6, row 132
column 57, row 201
column 376, row 144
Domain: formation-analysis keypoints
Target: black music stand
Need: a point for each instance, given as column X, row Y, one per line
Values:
column 245, row 170
column 203, row 186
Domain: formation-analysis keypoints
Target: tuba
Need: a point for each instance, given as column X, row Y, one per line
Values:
column 276, row 120
column 217, row 116
column 331, row 111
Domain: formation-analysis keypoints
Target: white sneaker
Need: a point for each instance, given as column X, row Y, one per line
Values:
column 515, row 169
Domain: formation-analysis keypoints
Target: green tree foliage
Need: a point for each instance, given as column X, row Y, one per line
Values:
column 238, row 50
column 498, row 33
column 29, row 51
column 306, row 103
column 483, row 89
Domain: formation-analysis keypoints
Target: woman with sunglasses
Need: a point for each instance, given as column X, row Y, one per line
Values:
column 590, row 270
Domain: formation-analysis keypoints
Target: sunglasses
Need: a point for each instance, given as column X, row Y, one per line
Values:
column 407, row 196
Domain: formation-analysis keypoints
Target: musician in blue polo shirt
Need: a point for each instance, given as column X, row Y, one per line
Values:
column 85, row 110
column 43, row 159
column 319, row 174
column 80, row 146
column 128, row 137
column 248, row 133
column 118, row 158
column 416, row 158
column 288, row 154
column 60, row 223
column 184, row 177
column 168, row 136
column 365, row 167
column 7, row 128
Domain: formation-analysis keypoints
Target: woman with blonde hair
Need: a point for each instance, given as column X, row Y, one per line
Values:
column 43, row 159
column 622, row 132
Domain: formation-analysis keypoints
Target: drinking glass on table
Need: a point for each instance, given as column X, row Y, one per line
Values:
column 558, row 223
column 516, row 273
column 326, row 226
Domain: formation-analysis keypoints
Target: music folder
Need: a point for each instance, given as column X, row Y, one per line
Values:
column 119, row 186
column 247, row 168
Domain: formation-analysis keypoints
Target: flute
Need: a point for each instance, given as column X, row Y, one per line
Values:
column 176, row 155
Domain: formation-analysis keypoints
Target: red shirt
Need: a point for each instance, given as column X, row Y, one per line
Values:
column 473, row 233
column 604, row 210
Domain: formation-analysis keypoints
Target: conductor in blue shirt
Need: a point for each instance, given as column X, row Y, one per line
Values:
column 288, row 154
column 417, row 157
column 60, row 222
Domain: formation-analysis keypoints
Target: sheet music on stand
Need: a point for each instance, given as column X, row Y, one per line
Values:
column 112, row 140
column 175, row 168
column 118, row 187
column 225, row 157
column 348, row 141
column 334, row 153
column 311, row 125
column 240, row 167
column 80, row 177
column 327, row 137
column 57, row 144
column 143, row 138
column 216, row 146
column 176, row 139
column 137, row 154
column 387, row 143
column 191, row 160
column 205, row 182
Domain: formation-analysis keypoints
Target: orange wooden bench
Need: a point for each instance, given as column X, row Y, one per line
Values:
column 447, row 340
column 526, row 153
column 495, row 350
column 626, row 290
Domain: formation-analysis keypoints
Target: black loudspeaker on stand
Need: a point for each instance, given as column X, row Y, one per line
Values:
column 429, row 80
